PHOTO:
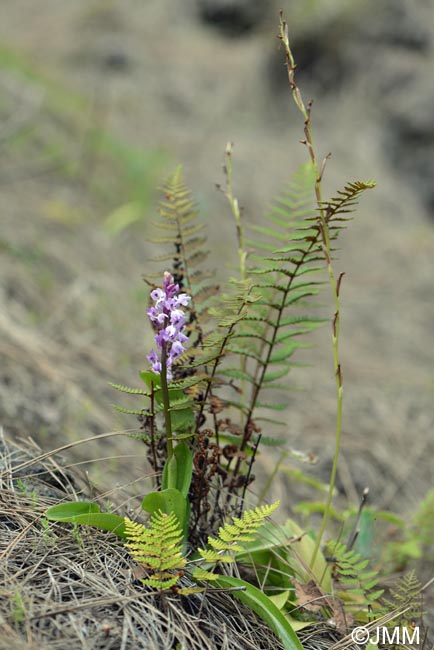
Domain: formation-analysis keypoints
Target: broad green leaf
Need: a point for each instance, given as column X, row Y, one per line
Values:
column 64, row 511
column 168, row 501
column 269, row 553
column 264, row 608
column 151, row 379
column 286, row 549
column 170, row 471
column 182, row 460
column 88, row 514
column 298, row 625
column 281, row 599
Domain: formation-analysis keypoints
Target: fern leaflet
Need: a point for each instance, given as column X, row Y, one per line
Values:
column 351, row 572
column 158, row 548
column 231, row 537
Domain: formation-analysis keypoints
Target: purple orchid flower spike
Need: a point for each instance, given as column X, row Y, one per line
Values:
column 169, row 321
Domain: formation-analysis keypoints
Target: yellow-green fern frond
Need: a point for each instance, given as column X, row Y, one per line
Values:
column 158, row 548
column 205, row 576
column 231, row 535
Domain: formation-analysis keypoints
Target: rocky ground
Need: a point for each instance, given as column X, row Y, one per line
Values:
column 100, row 100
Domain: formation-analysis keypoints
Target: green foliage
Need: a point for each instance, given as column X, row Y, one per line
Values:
column 158, row 548
column 286, row 278
column 18, row 608
column 169, row 500
column 415, row 538
column 264, row 607
column 345, row 201
column 351, row 574
column 423, row 522
column 232, row 536
column 178, row 471
column 88, row 514
column 183, row 236
column 406, row 597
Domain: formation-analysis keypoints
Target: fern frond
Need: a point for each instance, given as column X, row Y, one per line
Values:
column 158, row 548
column 178, row 218
column 346, row 199
column 205, row 576
column 138, row 412
column 291, row 247
column 351, row 573
column 407, row 592
column 188, row 382
column 231, row 535
column 130, row 391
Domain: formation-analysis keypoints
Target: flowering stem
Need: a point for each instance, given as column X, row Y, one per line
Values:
column 168, row 320
column 166, row 401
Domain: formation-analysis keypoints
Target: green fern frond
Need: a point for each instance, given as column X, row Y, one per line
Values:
column 189, row 382
column 231, row 535
column 406, row 593
column 292, row 241
column 130, row 391
column 351, row 573
column 270, row 377
column 272, row 442
column 236, row 373
column 205, row 576
column 158, row 548
column 138, row 412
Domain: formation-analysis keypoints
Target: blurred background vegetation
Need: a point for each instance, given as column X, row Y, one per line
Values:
column 101, row 99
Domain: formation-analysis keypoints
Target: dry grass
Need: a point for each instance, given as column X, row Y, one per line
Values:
column 62, row 587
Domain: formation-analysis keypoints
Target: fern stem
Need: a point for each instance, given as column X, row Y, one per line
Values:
column 335, row 284
column 210, row 379
column 166, row 401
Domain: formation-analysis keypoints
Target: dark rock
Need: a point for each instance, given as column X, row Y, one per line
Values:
column 234, row 17
column 116, row 61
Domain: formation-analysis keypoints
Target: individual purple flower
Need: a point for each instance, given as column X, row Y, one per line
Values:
column 169, row 322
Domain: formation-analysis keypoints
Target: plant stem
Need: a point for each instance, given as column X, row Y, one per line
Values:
column 233, row 202
column 152, row 435
column 166, row 401
column 335, row 284
column 242, row 253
